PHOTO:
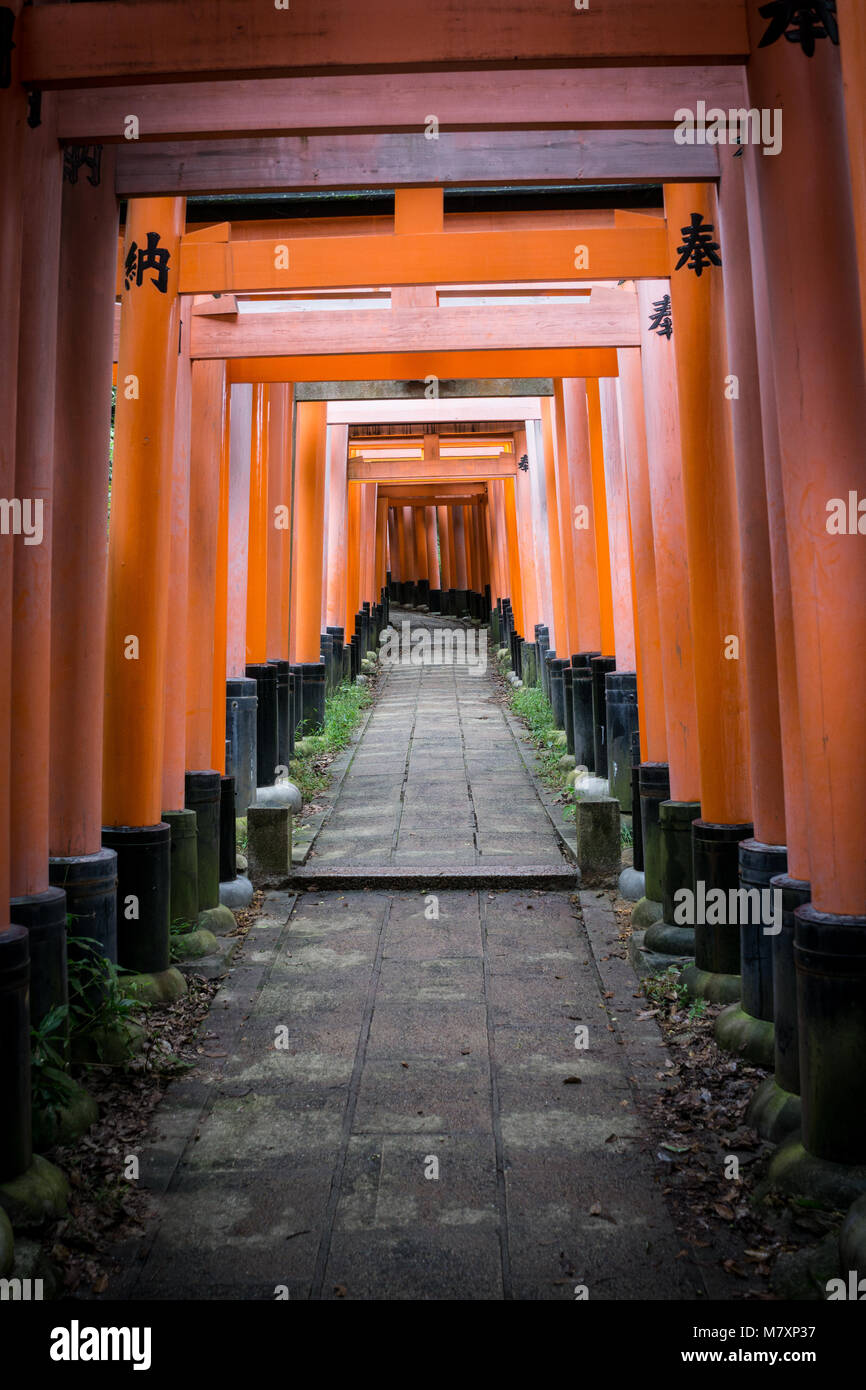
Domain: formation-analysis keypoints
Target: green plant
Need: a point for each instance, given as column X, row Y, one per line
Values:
column 626, row 834
column 698, row 1009
column 97, row 1002
column 343, row 712
column 49, row 1082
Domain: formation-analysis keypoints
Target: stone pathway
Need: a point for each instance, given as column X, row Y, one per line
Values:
column 437, row 778
column 391, row 1102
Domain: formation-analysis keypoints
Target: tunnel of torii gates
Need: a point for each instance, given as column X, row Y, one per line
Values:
column 646, row 452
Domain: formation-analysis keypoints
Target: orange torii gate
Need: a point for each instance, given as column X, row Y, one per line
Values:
column 719, row 537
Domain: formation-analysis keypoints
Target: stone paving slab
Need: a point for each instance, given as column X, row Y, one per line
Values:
column 420, row 1135
column 428, row 1062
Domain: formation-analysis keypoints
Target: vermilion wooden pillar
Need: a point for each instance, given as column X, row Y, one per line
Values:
column 806, row 204
column 582, row 516
column 368, row 549
column 664, row 460
column 257, row 546
column 419, row 530
column 88, row 260
column 670, row 795
column 714, row 570
column 36, row 904
column 560, row 632
column 16, row 1133
column 852, row 46
column 514, row 566
column 279, row 519
column 138, row 571
column 653, row 732
column 240, row 440
column 432, row 548
column 394, row 547
column 765, row 742
column 338, row 438
column 599, row 504
column 218, row 734
column 309, row 510
column 381, row 567
column 409, row 544
column 208, row 411
column 446, row 565
column 353, row 556
column 526, row 534
column 616, row 494
column 566, row 514
column 174, row 748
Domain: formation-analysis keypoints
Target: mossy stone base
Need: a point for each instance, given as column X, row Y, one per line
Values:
column 159, row 987
column 7, row 1245
column 109, row 1047
column 194, row 944
column 37, row 1196
column 707, row 984
column 566, row 762
column 852, row 1238
column 802, row 1275
column 645, row 912
column 774, row 1113
column 650, row 962
column 72, row 1118
column 798, row 1173
column 752, row 1038
column 668, row 939
column 560, row 739
column 219, row 920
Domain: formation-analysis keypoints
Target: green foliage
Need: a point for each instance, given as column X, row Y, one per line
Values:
column 48, row 1079
column 626, row 835
column 343, row 712
column 532, row 706
column 97, row 1002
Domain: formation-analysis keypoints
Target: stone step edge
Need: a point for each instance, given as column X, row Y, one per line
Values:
column 468, row 876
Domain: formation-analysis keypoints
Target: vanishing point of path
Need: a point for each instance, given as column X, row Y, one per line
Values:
column 390, row 1103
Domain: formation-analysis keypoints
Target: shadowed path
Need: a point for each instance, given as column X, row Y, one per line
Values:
column 390, row 1107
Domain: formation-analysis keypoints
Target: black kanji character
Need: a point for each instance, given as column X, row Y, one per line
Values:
column 76, row 157
column 800, row 23
column 660, row 318
column 154, row 257
column 523, row 463
column 698, row 248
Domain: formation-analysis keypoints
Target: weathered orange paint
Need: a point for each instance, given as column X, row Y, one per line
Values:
column 309, row 523
column 139, row 534
column 599, row 510
column 80, row 546
column 257, row 546
column 34, row 480
column 756, row 578
column 207, row 409
column 174, row 746
column 664, row 458
column 583, row 510
column 337, row 503
column 559, row 636
column 279, row 519
column 432, row 548
column 710, row 510
column 653, row 732
column 821, row 412
column 218, row 731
